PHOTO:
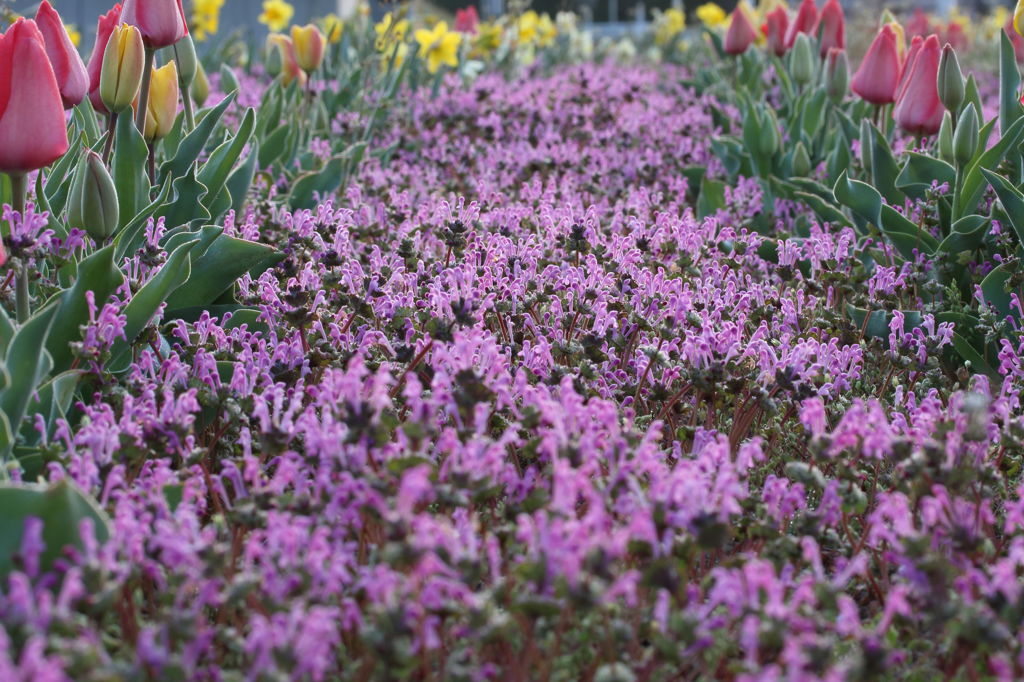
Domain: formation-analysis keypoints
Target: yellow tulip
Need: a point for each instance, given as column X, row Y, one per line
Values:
column 290, row 69
column 121, row 69
column 309, row 45
column 162, row 108
column 1018, row 17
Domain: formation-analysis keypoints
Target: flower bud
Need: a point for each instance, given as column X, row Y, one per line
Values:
column 187, row 60
column 946, row 139
column 121, row 73
column 866, row 143
column 950, row 80
column 965, row 139
column 200, row 86
column 802, row 60
column 801, row 161
column 309, row 45
column 162, row 108
column 837, row 74
column 770, row 138
column 741, row 34
column 92, row 205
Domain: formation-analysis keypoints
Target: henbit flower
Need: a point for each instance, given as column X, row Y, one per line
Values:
column 276, row 15
column 438, row 46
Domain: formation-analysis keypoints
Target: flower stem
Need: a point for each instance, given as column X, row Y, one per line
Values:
column 186, row 97
column 109, row 144
column 19, row 188
column 147, row 74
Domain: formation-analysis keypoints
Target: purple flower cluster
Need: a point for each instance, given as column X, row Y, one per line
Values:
column 511, row 411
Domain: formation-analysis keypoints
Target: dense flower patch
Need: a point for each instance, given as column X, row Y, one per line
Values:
column 514, row 410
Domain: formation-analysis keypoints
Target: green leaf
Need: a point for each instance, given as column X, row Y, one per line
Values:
column 884, row 169
column 217, row 168
column 973, row 186
column 877, row 325
column 194, row 143
column 307, row 187
column 98, row 274
column 147, row 300
column 994, row 289
column 131, row 238
column 1009, row 84
column 711, row 198
column 240, row 181
column 187, row 205
column 274, row 146
column 825, row 210
column 861, row 198
column 128, row 167
column 215, row 271
column 1011, row 199
column 27, row 364
column 85, row 118
column 52, row 400
column 905, row 234
column 921, row 171
column 967, row 234
column 61, row 507
column 970, row 354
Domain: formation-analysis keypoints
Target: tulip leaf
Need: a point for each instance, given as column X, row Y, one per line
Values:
column 875, row 325
column 1011, row 198
column 974, row 181
column 150, row 297
column 27, row 364
column 994, row 289
column 52, row 400
column 98, row 274
column 966, row 234
column 275, row 145
column 884, row 169
column 826, row 211
column 711, row 198
column 309, row 186
column 861, row 198
column 905, row 234
column 228, row 80
column 207, row 236
column 241, row 178
column 216, row 270
column 193, row 144
column 187, row 205
column 921, row 171
column 128, row 168
column 62, row 508
column 130, row 239
column 1009, row 84
column 217, row 168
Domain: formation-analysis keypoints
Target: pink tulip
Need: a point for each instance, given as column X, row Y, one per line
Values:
column 104, row 27
column 878, row 77
column 741, row 34
column 775, row 24
column 805, row 22
column 919, row 109
column 161, row 22
column 72, row 78
column 908, row 65
column 466, row 20
column 1015, row 39
column 33, row 132
column 831, row 27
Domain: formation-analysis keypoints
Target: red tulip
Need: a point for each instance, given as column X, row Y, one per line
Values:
column 878, row 77
column 831, row 27
column 908, row 65
column 161, row 22
column 33, row 132
column 72, row 78
column 466, row 20
column 104, row 27
column 741, row 34
column 806, row 21
column 919, row 109
column 775, row 24
column 919, row 24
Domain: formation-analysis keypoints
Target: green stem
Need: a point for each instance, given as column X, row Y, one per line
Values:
column 186, row 97
column 19, row 188
column 109, row 144
column 147, row 74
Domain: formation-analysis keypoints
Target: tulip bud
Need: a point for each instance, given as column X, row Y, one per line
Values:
column 878, row 77
column 965, row 139
column 68, row 67
column 831, row 27
column 162, row 108
column 161, row 22
column 950, row 81
column 770, row 138
column 104, row 28
column 805, row 22
column 918, row 108
column 802, row 60
column 801, row 161
column 741, row 34
column 200, row 86
column 309, row 47
column 121, row 73
column 92, row 205
column 188, row 61
column 837, row 75
column 776, row 23
column 274, row 61
column 946, row 139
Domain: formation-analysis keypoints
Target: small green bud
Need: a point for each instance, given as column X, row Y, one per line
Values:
column 92, row 205
column 950, row 80
column 837, row 75
column 965, row 139
column 770, row 138
column 946, row 139
column 188, row 62
column 802, row 61
column 200, row 86
column 801, row 161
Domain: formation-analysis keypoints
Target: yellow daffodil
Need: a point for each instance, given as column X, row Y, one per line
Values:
column 439, row 46
column 333, row 27
column 398, row 53
column 546, row 31
column 712, row 16
column 205, row 18
column 527, row 26
column 488, row 38
column 390, row 31
column 668, row 25
column 276, row 15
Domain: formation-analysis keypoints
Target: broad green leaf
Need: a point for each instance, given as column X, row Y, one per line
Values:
column 217, row 168
column 216, row 270
column 27, row 364
column 967, row 234
column 974, row 181
column 128, row 168
column 994, row 289
column 905, row 234
column 1009, row 84
column 192, row 146
column 52, row 400
column 131, row 238
column 187, row 206
column 1011, row 198
column 861, row 198
column 240, row 181
column 878, row 321
column 147, row 300
column 711, row 198
column 309, row 186
column 921, row 171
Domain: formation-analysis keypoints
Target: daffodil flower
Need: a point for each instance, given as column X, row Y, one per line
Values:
column 439, row 46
